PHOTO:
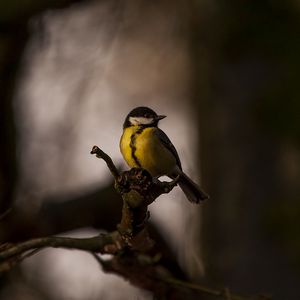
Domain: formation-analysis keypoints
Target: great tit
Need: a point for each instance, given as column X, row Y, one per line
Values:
column 144, row 145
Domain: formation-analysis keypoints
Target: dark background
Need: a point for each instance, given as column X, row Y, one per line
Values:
column 241, row 88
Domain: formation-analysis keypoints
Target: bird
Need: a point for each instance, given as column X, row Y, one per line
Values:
column 144, row 145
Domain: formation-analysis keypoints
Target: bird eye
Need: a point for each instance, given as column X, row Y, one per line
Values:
column 147, row 115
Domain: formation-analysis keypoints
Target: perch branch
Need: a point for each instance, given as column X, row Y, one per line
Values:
column 138, row 191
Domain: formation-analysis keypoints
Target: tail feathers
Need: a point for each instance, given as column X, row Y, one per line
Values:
column 191, row 190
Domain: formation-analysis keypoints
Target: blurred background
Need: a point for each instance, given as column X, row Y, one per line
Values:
column 226, row 75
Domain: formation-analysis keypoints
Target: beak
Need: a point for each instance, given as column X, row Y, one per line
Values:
column 160, row 117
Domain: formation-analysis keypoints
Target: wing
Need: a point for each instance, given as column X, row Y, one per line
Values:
column 168, row 144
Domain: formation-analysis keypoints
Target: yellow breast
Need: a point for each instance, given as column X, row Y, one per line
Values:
column 146, row 151
column 125, row 145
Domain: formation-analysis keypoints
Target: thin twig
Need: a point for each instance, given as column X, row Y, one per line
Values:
column 101, row 154
column 95, row 244
column 30, row 253
column 99, row 260
column 204, row 289
column 5, row 213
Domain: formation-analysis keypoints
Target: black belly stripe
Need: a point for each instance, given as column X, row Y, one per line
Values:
column 133, row 145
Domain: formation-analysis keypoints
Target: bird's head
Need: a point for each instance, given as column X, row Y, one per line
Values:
column 142, row 116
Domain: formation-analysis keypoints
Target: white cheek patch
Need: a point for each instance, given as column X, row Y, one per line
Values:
column 140, row 120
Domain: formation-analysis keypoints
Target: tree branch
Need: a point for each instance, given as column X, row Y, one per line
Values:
column 222, row 293
column 95, row 244
column 138, row 259
column 110, row 164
